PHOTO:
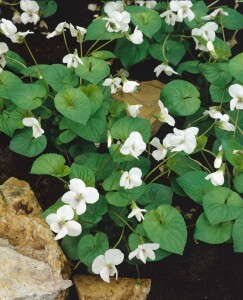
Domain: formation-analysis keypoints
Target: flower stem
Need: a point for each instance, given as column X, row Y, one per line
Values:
column 159, row 165
column 120, row 238
column 125, row 222
column 163, row 47
column 206, row 131
column 236, row 122
column 205, row 158
column 16, row 61
column 63, row 180
column 160, row 175
column 222, row 28
column 30, row 52
column 65, row 41
column 107, row 43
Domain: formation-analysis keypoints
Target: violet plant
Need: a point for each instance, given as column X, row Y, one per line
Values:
column 117, row 207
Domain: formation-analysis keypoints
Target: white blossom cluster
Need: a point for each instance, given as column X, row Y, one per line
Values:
column 118, row 20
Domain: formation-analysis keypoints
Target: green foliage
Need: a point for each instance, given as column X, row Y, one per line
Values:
column 94, row 213
column 78, row 114
column 185, row 98
column 93, row 69
column 156, row 195
column 166, row 226
column 97, row 31
column 74, row 105
column 122, row 128
column 29, row 96
column 8, row 83
column 238, row 234
column 50, row 164
column 182, row 164
column 222, row 205
column 195, row 185
column 234, row 20
column 236, row 67
column 90, row 246
column 212, row 234
column 137, row 53
column 47, row 7
column 147, row 20
column 235, row 158
column 59, row 77
column 82, row 172
column 15, row 62
column 95, row 95
column 170, row 51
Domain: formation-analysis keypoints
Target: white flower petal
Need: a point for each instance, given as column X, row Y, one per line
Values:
column 73, row 228
column 65, row 212
column 68, row 197
column 77, row 185
column 114, row 257
column 81, row 207
column 98, row 264
column 52, row 218
column 61, row 233
column 104, row 274
column 91, row 195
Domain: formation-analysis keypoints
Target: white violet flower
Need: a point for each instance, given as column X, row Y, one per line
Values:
column 93, row 7
column 105, row 264
column 72, row 60
column 219, row 158
column 164, row 68
column 161, row 151
column 79, row 195
column 224, row 124
column 3, row 51
column 16, row 17
column 213, row 112
column 109, row 139
column 136, row 37
column 170, row 17
column 62, row 222
column 7, row 27
column 182, row 140
column 148, row 4
column 183, row 9
column 114, row 83
column 131, row 179
column 236, row 92
column 207, row 32
column 112, row 6
column 144, row 251
column 134, row 145
column 133, row 110
column 214, row 14
column 129, row 86
column 136, row 212
column 78, row 32
column 58, row 30
column 217, row 178
column 164, row 116
column 30, row 14
column 35, row 124
column 118, row 21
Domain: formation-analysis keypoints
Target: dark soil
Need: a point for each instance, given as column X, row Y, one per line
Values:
column 204, row 271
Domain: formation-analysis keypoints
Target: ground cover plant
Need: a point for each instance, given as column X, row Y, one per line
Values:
column 120, row 180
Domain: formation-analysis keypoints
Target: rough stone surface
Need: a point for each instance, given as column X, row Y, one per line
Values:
column 32, row 265
column 148, row 96
column 94, row 288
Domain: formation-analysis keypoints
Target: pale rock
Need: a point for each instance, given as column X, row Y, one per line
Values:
column 94, row 288
column 32, row 265
column 147, row 95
